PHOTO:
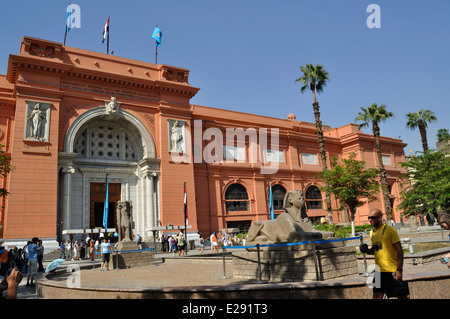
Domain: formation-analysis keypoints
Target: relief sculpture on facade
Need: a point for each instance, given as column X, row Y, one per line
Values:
column 37, row 121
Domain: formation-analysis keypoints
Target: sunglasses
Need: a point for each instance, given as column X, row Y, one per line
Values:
column 374, row 217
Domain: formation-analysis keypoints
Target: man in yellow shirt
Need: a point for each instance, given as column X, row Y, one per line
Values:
column 387, row 248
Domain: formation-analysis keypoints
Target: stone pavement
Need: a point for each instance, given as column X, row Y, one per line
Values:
column 181, row 271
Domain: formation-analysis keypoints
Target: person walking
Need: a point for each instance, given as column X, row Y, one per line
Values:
column 387, row 248
column 105, row 253
column 180, row 243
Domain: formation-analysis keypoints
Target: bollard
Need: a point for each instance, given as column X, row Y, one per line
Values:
column 224, row 272
column 315, row 259
column 410, row 245
column 259, row 264
column 365, row 260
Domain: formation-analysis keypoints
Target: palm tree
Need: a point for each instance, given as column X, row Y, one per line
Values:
column 420, row 120
column 375, row 114
column 315, row 78
column 443, row 135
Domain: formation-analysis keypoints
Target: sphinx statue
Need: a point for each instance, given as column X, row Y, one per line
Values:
column 291, row 226
column 125, row 221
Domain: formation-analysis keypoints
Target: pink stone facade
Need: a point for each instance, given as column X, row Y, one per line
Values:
column 81, row 140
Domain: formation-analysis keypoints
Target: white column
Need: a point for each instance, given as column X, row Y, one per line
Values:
column 149, row 202
column 67, row 196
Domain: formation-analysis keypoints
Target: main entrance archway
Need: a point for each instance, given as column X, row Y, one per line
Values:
column 98, row 144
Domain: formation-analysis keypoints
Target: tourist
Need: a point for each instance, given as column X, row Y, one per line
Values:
column 105, row 253
column 139, row 241
column 202, row 244
column 69, row 249
column 443, row 219
column 62, row 250
column 82, row 249
column 173, row 246
column 76, row 251
column 214, row 245
column 180, row 243
column 3, row 259
column 91, row 250
column 40, row 256
column 33, row 250
column 25, row 258
column 226, row 240
column 11, row 284
column 387, row 248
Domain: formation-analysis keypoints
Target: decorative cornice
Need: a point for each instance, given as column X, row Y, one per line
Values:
column 112, row 171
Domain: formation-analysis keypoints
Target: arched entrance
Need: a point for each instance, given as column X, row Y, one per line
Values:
column 118, row 145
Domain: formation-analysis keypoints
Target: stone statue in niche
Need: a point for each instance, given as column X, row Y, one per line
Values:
column 124, row 221
column 36, row 119
column 176, row 137
column 291, row 226
column 112, row 107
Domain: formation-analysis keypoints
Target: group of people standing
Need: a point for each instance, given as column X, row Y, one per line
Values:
column 224, row 239
column 26, row 260
column 174, row 243
column 83, row 249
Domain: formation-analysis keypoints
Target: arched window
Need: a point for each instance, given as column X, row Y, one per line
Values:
column 313, row 198
column 236, row 198
column 278, row 193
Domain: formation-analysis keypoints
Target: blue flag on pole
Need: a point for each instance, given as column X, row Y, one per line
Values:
column 68, row 21
column 270, row 202
column 106, row 206
column 157, row 35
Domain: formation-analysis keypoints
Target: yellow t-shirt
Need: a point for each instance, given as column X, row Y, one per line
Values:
column 386, row 257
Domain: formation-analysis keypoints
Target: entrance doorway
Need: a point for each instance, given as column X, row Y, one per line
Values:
column 97, row 203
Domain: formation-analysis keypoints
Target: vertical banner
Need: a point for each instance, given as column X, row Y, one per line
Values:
column 106, row 206
column 270, row 201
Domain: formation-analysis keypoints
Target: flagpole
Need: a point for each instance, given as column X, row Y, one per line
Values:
column 156, row 53
column 65, row 29
column 107, row 40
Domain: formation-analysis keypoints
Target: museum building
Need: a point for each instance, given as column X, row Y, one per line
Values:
column 70, row 118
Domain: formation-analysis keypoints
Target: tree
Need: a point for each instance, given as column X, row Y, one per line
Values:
column 375, row 114
column 426, row 184
column 315, row 78
column 5, row 168
column 443, row 135
column 351, row 183
column 419, row 120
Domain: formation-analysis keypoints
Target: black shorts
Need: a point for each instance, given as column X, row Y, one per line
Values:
column 105, row 257
column 386, row 282
column 389, row 285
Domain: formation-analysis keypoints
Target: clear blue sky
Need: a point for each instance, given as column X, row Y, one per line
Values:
column 245, row 55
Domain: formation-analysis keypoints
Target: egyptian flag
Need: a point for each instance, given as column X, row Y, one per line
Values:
column 185, row 206
column 105, row 30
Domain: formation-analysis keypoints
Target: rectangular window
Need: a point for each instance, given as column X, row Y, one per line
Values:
column 386, row 159
column 309, row 159
column 231, row 153
column 274, row 156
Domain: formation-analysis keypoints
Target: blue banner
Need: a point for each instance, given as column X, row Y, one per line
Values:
column 106, row 206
